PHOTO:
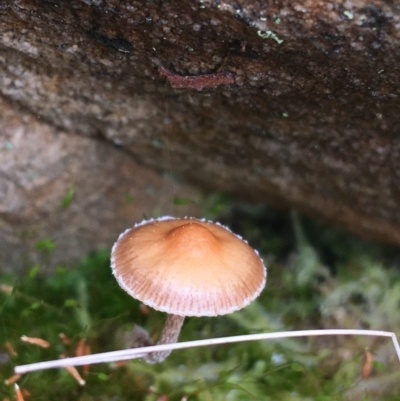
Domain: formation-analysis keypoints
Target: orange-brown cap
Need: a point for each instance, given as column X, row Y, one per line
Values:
column 187, row 267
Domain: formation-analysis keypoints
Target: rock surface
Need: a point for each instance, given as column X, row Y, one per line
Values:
column 63, row 195
column 311, row 119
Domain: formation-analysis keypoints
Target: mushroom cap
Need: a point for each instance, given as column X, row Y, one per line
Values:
column 187, row 267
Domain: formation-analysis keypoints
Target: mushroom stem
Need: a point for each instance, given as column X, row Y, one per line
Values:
column 169, row 335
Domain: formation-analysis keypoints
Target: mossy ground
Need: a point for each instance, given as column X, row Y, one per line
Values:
column 317, row 278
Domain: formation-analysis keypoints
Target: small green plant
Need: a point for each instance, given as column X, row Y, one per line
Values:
column 66, row 202
column 46, row 245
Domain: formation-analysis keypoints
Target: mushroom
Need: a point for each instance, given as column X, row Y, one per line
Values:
column 186, row 267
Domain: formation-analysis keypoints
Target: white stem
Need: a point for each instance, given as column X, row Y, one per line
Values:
column 169, row 335
column 142, row 352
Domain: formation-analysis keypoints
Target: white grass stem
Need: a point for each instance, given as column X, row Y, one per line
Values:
column 134, row 353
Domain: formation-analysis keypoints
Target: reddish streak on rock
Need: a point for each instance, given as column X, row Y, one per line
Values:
column 197, row 81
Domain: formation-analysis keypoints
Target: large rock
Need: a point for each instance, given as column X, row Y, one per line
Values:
column 63, row 195
column 301, row 107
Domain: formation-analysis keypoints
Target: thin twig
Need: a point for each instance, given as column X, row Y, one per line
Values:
column 141, row 352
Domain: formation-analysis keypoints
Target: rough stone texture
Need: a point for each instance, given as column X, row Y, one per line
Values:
column 312, row 120
column 77, row 192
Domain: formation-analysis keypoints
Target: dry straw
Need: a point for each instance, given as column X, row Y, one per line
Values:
column 135, row 353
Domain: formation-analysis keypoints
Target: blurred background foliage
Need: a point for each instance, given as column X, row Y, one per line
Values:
column 318, row 277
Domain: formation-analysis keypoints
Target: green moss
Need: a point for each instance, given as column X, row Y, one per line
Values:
column 355, row 290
